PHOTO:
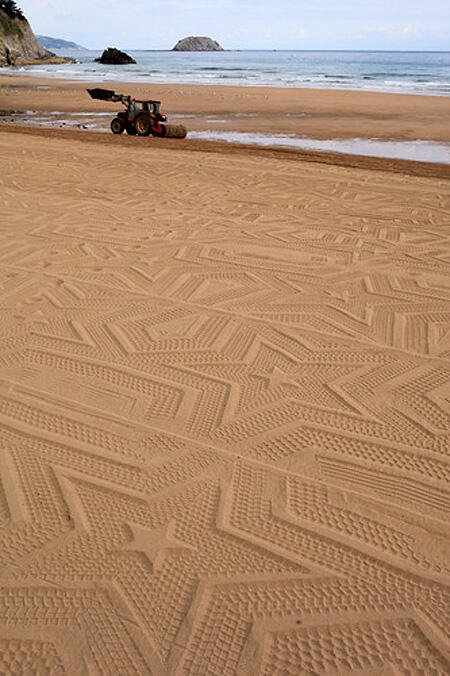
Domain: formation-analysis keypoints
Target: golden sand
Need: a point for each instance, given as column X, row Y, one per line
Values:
column 224, row 409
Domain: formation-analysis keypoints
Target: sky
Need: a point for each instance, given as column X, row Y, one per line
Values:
column 246, row 24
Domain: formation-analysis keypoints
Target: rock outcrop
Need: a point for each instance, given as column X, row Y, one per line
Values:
column 197, row 44
column 113, row 56
column 18, row 44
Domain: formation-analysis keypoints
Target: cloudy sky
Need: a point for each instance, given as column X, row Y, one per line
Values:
column 246, row 24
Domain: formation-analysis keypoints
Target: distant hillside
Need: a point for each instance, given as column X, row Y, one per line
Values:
column 57, row 43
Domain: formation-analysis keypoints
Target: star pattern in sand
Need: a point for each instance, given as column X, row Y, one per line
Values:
column 155, row 543
column 276, row 377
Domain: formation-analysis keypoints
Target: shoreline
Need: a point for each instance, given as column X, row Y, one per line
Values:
column 219, row 85
column 312, row 113
column 362, row 162
column 366, row 70
column 50, row 60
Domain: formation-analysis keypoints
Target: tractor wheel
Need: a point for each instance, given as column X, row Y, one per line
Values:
column 130, row 129
column 142, row 124
column 117, row 126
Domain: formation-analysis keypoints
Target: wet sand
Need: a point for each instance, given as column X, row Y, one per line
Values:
column 223, row 403
column 317, row 114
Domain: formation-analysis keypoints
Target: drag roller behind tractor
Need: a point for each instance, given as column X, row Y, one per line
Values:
column 141, row 118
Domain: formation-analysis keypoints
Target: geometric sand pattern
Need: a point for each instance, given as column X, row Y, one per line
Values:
column 224, row 414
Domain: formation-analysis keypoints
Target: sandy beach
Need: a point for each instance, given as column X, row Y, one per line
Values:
column 224, row 392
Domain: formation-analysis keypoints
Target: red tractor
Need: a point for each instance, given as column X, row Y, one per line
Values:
column 140, row 117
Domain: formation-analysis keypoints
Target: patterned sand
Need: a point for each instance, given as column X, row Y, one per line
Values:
column 224, row 411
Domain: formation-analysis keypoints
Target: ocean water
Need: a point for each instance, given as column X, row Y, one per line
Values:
column 400, row 72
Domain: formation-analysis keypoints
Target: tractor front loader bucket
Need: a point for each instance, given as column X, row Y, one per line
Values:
column 101, row 94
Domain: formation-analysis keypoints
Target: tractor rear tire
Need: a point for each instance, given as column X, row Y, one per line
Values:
column 142, row 124
column 117, row 126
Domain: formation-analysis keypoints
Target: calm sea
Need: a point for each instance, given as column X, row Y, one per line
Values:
column 402, row 72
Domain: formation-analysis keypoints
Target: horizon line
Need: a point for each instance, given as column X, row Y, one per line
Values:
column 256, row 49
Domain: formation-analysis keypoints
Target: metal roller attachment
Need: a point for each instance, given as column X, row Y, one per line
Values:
column 175, row 131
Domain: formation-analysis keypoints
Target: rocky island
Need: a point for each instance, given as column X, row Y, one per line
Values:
column 18, row 44
column 115, row 57
column 197, row 44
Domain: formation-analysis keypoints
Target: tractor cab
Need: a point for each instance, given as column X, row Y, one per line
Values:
column 141, row 117
column 134, row 108
column 151, row 107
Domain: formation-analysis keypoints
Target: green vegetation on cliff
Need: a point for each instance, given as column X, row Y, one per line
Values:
column 7, row 24
column 8, row 12
column 10, row 8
